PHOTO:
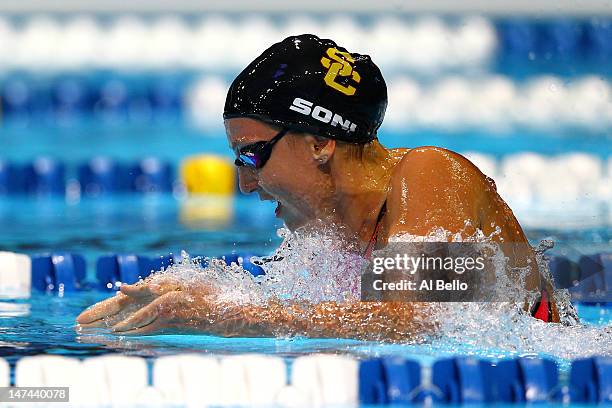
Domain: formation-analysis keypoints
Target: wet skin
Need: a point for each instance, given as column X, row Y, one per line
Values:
column 424, row 188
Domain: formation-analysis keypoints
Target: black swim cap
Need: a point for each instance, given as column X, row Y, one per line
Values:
column 312, row 85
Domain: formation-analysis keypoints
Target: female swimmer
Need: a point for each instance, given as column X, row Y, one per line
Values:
column 302, row 119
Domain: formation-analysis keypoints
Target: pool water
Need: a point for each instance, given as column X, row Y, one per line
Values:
column 157, row 225
column 44, row 324
column 146, row 225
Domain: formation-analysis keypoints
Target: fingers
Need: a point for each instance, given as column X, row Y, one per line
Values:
column 151, row 287
column 152, row 328
column 130, row 299
column 107, row 321
column 108, row 307
column 140, row 291
column 92, row 325
column 145, row 316
column 142, row 318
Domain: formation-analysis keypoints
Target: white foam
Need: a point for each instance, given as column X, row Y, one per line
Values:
column 504, row 328
column 312, row 266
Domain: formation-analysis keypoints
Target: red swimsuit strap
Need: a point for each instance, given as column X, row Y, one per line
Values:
column 368, row 252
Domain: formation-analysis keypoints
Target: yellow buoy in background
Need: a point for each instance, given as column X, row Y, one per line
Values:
column 210, row 182
column 208, row 174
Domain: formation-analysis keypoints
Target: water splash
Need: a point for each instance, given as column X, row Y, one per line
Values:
column 503, row 327
column 316, row 265
column 311, row 265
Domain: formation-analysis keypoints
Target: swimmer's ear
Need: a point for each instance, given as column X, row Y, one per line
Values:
column 321, row 148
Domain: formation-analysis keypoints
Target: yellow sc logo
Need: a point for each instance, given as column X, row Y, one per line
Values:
column 341, row 66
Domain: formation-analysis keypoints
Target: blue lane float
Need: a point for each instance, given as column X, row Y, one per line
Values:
column 564, row 38
column 60, row 271
column 599, row 32
column 166, row 96
column 388, row 381
column 591, row 380
column 372, row 382
column 10, row 178
column 112, row 100
column 45, row 176
column 468, row 380
column 151, row 175
column 561, row 39
column 66, row 272
column 16, row 98
column 565, row 272
column 380, row 381
column 595, row 288
column 518, row 37
column 161, row 262
column 463, row 380
column 595, row 284
column 526, row 380
column 105, row 176
column 114, row 270
column 100, row 175
column 108, row 97
column 70, row 97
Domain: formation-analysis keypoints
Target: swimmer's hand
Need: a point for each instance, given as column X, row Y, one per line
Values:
column 151, row 306
column 164, row 305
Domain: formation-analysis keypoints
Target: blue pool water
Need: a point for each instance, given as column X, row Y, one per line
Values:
column 156, row 225
column 161, row 224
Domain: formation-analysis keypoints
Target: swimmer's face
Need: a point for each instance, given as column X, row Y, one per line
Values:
column 289, row 177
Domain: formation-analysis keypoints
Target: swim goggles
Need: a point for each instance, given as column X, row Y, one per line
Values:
column 257, row 154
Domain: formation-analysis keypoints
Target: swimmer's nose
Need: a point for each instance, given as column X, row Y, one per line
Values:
column 247, row 180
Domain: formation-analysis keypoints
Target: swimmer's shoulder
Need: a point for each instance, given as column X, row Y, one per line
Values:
column 433, row 187
column 425, row 161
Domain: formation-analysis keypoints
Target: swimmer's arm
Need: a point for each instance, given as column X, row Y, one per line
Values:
column 165, row 306
column 356, row 320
